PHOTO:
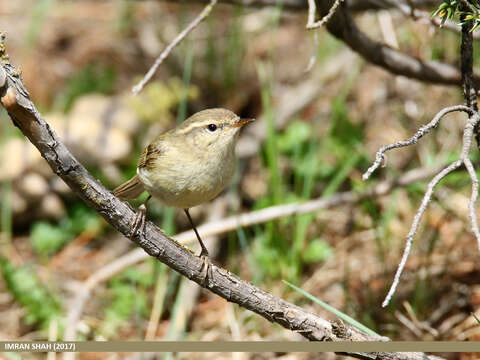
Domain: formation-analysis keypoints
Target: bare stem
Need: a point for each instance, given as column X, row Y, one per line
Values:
column 205, row 12
column 380, row 156
column 467, row 142
column 410, row 10
column 135, row 256
column 15, row 99
column 473, row 200
column 413, row 229
column 312, row 8
column 463, row 159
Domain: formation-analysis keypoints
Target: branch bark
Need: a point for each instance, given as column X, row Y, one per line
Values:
column 23, row 113
column 84, row 291
column 344, row 28
column 300, row 5
column 466, row 51
column 15, row 99
column 469, row 90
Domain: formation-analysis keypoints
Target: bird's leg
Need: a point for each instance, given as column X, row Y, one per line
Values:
column 139, row 222
column 204, row 251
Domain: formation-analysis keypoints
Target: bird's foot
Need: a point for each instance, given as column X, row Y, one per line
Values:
column 206, row 266
column 138, row 225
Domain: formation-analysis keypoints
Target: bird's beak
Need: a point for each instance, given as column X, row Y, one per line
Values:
column 242, row 122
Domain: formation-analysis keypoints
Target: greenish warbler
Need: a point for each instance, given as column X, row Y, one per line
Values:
column 188, row 165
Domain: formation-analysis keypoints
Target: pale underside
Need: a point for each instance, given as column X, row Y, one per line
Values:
column 190, row 181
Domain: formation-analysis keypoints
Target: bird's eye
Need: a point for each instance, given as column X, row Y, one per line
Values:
column 211, row 127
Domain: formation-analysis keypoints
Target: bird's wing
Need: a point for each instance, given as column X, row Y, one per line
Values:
column 129, row 190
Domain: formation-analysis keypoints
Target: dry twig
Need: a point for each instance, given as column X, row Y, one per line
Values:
column 200, row 17
column 471, row 128
column 463, row 160
column 313, row 58
column 296, row 5
column 222, row 226
column 312, row 8
column 15, row 99
column 380, row 156
column 344, row 28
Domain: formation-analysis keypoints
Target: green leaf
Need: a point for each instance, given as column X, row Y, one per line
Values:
column 83, row 218
column 127, row 294
column 318, row 250
column 342, row 128
column 40, row 303
column 48, row 239
column 442, row 7
column 296, row 133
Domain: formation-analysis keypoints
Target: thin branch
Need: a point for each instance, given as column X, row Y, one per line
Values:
column 467, row 141
column 412, row 8
column 463, row 160
column 230, row 224
column 416, row 14
column 15, row 99
column 381, row 157
column 312, row 8
column 468, row 7
column 466, row 50
column 344, row 28
column 299, row 5
column 473, row 199
column 313, row 58
column 413, row 229
column 205, row 12
column 467, row 80
column 470, row 96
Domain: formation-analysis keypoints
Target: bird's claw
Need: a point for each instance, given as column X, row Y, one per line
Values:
column 207, row 265
column 138, row 225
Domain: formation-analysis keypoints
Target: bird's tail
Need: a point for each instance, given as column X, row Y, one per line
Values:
column 129, row 190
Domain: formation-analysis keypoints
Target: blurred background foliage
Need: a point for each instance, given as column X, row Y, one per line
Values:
column 316, row 133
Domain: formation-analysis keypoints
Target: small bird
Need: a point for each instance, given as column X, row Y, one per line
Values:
column 187, row 166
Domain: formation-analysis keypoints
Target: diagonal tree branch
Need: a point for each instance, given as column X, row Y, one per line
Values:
column 22, row 111
column 298, row 5
column 464, row 159
column 342, row 26
column 15, row 99
column 312, row 24
column 83, row 292
column 416, row 14
column 471, row 126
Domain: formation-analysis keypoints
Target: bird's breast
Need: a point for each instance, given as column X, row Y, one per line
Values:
column 189, row 180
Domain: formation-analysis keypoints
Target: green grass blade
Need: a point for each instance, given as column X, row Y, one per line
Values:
column 187, row 76
column 338, row 313
column 342, row 174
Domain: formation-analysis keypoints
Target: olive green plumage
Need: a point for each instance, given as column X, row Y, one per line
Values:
column 189, row 164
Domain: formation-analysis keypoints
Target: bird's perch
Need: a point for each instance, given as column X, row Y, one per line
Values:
column 15, row 99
